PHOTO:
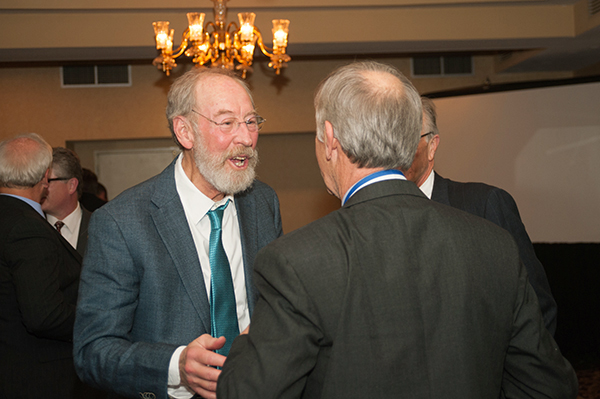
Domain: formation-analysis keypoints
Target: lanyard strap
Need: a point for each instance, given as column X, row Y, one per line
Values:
column 387, row 174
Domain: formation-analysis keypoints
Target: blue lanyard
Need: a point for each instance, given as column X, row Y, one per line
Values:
column 367, row 179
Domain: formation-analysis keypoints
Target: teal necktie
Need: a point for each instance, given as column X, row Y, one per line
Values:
column 223, row 315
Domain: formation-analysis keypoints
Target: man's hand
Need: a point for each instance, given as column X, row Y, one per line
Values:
column 195, row 365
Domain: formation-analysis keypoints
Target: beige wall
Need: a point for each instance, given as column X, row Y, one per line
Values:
column 124, row 117
column 32, row 99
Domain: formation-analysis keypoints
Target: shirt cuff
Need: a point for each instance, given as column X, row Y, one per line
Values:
column 175, row 389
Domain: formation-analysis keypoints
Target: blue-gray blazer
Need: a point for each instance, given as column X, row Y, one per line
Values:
column 142, row 293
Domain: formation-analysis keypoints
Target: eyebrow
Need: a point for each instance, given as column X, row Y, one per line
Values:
column 228, row 112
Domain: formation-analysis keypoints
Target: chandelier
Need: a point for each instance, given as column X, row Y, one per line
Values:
column 224, row 45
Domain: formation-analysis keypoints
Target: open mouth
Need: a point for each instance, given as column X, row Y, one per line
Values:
column 239, row 161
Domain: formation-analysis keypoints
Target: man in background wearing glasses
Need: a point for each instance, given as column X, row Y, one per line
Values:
column 39, row 277
column 147, row 324
column 61, row 204
column 489, row 202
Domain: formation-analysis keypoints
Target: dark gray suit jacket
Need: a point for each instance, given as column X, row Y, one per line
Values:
column 499, row 207
column 39, row 278
column 395, row 296
column 142, row 291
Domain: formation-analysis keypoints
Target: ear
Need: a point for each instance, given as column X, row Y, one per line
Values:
column 183, row 132
column 331, row 143
column 72, row 185
column 432, row 147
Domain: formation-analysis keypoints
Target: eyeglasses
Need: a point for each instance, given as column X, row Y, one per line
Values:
column 58, row 178
column 253, row 124
column 426, row 134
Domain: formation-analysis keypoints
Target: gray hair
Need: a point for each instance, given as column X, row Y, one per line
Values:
column 24, row 161
column 429, row 119
column 182, row 99
column 377, row 126
column 66, row 163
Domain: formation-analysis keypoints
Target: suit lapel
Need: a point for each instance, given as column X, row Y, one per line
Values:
column 172, row 226
column 246, row 210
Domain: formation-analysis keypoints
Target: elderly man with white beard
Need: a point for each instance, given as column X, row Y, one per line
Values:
column 167, row 279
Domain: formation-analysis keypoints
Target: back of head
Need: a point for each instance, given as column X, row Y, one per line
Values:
column 375, row 112
column 89, row 182
column 24, row 161
column 182, row 95
column 101, row 192
column 65, row 163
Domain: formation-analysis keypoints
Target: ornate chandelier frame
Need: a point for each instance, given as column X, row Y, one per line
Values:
column 224, row 45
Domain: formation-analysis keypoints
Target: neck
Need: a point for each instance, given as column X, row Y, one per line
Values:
column 423, row 178
column 63, row 213
column 354, row 176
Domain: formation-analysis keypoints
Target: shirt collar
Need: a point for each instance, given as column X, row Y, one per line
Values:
column 71, row 220
column 34, row 205
column 427, row 186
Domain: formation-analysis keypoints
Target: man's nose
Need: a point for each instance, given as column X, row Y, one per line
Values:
column 244, row 136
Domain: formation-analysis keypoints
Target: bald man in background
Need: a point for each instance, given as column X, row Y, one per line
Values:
column 39, row 279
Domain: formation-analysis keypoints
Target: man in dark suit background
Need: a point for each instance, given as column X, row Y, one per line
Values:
column 489, row 202
column 39, row 278
column 61, row 204
column 393, row 295
column 146, row 308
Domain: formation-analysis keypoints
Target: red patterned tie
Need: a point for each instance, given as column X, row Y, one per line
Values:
column 59, row 225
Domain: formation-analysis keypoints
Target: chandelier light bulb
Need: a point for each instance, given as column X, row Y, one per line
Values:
column 161, row 30
column 195, row 21
column 280, row 32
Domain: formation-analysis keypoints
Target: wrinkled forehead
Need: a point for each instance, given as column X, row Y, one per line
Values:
column 222, row 94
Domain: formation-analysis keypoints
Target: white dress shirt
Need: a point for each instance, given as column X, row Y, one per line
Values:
column 427, row 186
column 196, row 206
column 70, row 231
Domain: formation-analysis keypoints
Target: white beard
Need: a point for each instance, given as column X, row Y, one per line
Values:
column 214, row 169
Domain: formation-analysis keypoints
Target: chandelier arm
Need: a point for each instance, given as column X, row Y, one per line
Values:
column 238, row 57
column 234, row 24
column 208, row 54
column 208, row 25
column 261, row 45
column 184, row 44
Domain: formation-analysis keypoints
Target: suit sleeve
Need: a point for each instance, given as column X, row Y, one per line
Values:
column 45, row 311
column 261, row 364
column 105, row 354
column 502, row 210
column 534, row 366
